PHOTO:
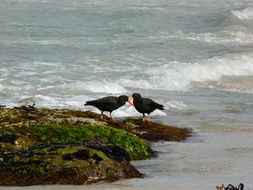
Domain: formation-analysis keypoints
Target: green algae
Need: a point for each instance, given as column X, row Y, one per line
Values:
column 137, row 147
column 54, row 133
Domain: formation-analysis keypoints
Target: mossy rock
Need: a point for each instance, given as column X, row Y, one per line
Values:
column 150, row 130
column 59, row 146
column 54, row 133
column 63, row 164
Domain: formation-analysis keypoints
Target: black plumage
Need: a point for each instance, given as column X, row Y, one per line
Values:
column 145, row 105
column 109, row 103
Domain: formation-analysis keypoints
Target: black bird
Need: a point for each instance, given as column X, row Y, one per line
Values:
column 109, row 103
column 145, row 105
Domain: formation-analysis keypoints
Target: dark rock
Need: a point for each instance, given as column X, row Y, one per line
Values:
column 80, row 154
column 8, row 138
column 97, row 158
column 114, row 152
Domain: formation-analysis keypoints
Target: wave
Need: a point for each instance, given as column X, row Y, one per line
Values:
column 245, row 14
column 178, row 76
column 172, row 76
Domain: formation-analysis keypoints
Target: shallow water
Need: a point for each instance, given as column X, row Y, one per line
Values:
column 195, row 57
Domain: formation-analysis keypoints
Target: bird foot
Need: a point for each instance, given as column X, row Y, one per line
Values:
column 146, row 119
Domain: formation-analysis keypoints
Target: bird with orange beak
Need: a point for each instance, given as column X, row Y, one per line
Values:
column 144, row 105
column 109, row 104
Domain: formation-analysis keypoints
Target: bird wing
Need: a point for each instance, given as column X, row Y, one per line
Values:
column 105, row 100
column 152, row 103
column 108, row 103
column 109, row 100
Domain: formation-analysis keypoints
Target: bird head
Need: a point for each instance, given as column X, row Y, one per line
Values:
column 123, row 98
column 135, row 96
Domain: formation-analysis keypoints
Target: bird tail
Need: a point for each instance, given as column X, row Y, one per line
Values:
column 89, row 103
column 160, row 107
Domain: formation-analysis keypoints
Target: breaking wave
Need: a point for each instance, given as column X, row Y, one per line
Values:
column 179, row 76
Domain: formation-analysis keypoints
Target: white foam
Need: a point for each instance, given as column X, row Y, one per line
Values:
column 68, row 102
column 80, row 88
column 244, row 14
column 104, row 87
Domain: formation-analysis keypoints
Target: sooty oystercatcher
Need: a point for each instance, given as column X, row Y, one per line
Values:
column 109, row 103
column 145, row 105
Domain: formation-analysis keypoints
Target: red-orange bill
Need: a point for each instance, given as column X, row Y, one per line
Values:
column 129, row 101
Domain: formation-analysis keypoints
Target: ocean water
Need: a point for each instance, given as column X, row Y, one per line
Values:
column 193, row 56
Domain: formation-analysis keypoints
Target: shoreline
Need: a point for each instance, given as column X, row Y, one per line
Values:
column 41, row 146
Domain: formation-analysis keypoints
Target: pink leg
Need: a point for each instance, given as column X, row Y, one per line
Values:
column 111, row 116
column 101, row 115
column 149, row 116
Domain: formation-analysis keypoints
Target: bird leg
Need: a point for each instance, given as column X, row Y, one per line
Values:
column 149, row 117
column 101, row 115
column 143, row 118
column 111, row 116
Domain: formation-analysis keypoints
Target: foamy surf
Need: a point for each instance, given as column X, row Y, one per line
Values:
column 181, row 76
column 104, row 87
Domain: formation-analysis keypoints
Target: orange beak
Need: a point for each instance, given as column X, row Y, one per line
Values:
column 129, row 101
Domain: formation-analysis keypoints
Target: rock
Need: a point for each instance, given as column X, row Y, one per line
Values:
column 8, row 138
column 152, row 131
column 64, row 164
column 40, row 146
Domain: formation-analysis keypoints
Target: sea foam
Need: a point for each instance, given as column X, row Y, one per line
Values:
column 104, row 87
